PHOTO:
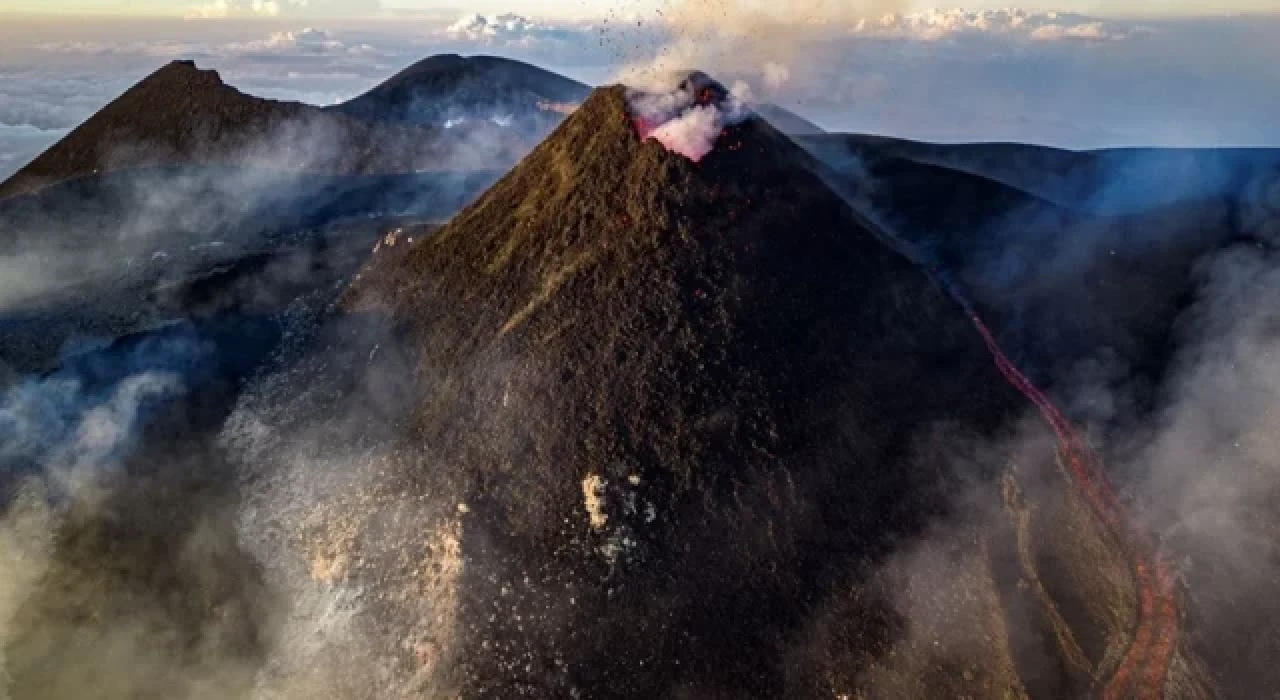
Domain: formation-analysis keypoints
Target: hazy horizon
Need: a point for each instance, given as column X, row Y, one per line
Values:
column 1068, row 79
column 594, row 8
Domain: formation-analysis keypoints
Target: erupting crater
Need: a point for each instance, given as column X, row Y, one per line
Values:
column 690, row 118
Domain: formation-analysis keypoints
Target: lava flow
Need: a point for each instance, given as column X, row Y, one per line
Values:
column 1141, row 673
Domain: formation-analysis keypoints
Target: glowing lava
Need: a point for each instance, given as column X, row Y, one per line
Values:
column 1141, row 673
column 689, row 119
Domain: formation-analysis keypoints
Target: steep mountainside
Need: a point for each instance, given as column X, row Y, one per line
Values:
column 688, row 408
column 1104, row 182
column 1107, row 271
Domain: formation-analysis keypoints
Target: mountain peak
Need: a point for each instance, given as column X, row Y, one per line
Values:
column 185, row 72
column 165, row 118
column 718, row 343
column 601, row 171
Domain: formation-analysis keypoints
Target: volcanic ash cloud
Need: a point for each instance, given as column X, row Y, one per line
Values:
column 690, row 117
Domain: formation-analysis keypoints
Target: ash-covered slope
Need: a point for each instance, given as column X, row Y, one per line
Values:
column 687, row 410
column 449, row 87
column 181, row 115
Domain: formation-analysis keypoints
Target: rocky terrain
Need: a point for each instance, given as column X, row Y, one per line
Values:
column 622, row 424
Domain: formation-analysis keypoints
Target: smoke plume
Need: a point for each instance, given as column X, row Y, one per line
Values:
column 689, row 118
column 769, row 46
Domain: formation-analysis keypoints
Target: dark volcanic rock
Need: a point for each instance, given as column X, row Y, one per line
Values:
column 687, row 408
column 1074, row 257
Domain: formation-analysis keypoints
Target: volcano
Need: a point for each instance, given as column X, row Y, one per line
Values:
column 685, row 408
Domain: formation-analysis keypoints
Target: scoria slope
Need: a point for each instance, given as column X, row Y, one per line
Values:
column 687, row 410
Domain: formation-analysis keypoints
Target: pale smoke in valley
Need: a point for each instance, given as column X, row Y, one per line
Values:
column 1209, row 474
column 62, row 443
column 143, row 214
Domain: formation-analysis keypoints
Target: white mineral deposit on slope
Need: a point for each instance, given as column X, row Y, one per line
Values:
column 593, row 499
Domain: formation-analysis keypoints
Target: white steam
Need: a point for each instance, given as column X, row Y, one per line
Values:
column 770, row 46
column 776, row 75
column 692, row 133
column 685, row 122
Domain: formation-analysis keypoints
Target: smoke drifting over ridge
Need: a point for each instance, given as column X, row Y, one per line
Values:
column 1209, row 472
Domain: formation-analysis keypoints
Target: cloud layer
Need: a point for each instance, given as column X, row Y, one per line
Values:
column 222, row 9
column 1013, row 23
column 1057, row 78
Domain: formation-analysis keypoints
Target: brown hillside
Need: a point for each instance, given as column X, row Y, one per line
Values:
column 687, row 408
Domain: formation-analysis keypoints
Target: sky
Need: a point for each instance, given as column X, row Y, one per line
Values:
column 1070, row 78
column 589, row 8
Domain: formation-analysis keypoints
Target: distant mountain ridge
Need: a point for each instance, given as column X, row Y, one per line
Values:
column 182, row 115
column 448, row 86
column 443, row 112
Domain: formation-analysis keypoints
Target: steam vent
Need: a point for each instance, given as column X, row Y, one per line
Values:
column 686, row 409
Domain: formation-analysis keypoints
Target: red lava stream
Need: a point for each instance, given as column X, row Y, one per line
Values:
column 1142, row 671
